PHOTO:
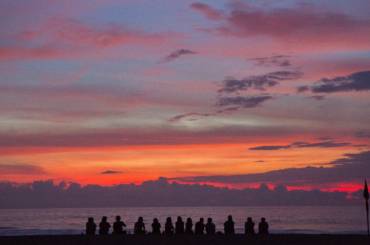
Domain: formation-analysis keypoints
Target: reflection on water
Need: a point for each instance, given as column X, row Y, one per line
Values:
column 282, row 219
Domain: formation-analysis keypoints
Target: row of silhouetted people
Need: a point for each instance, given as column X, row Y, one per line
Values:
column 180, row 226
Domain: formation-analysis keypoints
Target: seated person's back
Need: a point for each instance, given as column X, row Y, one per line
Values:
column 199, row 227
column 179, row 226
column 189, row 226
column 168, row 228
column 104, row 226
column 229, row 226
column 263, row 227
column 118, row 226
column 249, row 227
column 139, row 226
column 156, row 226
column 210, row 227
column 90, row 226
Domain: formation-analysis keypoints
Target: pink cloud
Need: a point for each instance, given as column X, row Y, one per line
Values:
column 208, row 11
column 59, row 37
column 303, row 27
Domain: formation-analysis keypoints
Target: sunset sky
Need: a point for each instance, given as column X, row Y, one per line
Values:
column 218, row 92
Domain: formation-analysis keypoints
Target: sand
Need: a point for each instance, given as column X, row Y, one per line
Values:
column 281, row 239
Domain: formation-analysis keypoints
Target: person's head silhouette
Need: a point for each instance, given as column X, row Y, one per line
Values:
column 155, row 220
column 189, row 220
column 249, row 219
column 230, row 218
column 140, row 219
column 118, row 218
column 104, row 219
column 209, row 220
column 90, row 220
column 179, row 219
column 201, row 220
column 263, row 220
column 168, row 220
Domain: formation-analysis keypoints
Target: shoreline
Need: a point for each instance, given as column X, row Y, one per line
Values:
column 187, row 239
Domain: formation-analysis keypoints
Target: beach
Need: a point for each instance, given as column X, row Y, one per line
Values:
column 286, row 239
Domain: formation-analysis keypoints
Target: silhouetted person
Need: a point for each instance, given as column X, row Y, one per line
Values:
column 263, row 227
column 229, row 226
column 156, row 227
column 189, row 226
column 210, row 227
column 118, row 226
column 199, row 227
column 90, row 226
column 249, row 227
column 139, row 226
column 168, row 227
column 179, row 226
column 104, row 226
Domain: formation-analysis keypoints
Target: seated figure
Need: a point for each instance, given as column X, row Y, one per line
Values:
column 139, row 226
column 156, row 227
column 249, row 227
column 90, row 226
column 168, row 227
column 263, row 227
column 199, row 227
column 229, row 226
column 210, row 227
column 104, row 226
column 118, row 226
column 179, row 226
column 189, row 226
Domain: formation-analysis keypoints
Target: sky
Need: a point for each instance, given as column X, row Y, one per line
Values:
column 229, row 93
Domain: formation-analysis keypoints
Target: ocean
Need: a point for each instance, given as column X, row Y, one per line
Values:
column 306, row 219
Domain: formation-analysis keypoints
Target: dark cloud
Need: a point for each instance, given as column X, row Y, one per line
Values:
column 191, row 116
column 208, row 11
column 20, row 169
column 141, row 136
column 317, row 97
column 353, row 167
column 302, row 22
column 260, row 82
column 176, row 54
column 275, row 60
column 358, row 81
column 302, row 89
column 111, row 172
column 270, row 147
column 237, row 102
column 362, row 134
column 161, row 192
column 321, row 144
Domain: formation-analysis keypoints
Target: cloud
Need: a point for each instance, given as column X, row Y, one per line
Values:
column 242, row 101
column 60, row 37
column 191, row 116
column 20, row 169
column 362, row 134
column 317, row 97
column 109, row 172
column 176, row 54
column 358, row 81
column 302, row 24
column 353, row 167
column 54, row 140
column 260, row 82
column 321, row 144
column 275, row 60
column 160, row 192
column 208, row 11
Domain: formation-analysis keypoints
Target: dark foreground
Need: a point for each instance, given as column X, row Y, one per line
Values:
column 187, row 240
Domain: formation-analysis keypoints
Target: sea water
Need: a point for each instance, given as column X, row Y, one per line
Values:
column 306, row 219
